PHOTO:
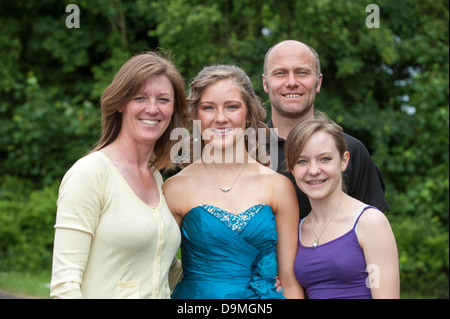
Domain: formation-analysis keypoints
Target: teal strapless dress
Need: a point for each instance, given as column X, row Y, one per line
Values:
column 227, row 256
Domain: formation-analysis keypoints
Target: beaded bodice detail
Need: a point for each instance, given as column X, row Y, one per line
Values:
column 236, row 222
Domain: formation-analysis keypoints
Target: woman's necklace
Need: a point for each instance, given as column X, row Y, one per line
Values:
column 316, row 242
column 225, row 189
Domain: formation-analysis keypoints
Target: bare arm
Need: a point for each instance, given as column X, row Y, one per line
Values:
column 287, row 218
column 380, row 251
column 172, row 193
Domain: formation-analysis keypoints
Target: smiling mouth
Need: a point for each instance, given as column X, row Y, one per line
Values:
column 149, row 122
column 316, row 182
column 221, row 130
column 292, row 95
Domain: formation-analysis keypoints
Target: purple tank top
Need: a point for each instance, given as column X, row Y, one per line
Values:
column 334, row 270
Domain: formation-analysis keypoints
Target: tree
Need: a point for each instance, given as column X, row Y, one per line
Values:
column 386, row 85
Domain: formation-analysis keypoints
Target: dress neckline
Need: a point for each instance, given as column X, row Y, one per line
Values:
column 204, row 206
column 235, row 222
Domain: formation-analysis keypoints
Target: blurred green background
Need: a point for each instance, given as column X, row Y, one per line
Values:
column 387, row 86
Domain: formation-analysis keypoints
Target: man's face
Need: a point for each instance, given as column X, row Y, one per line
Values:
column 290, row 79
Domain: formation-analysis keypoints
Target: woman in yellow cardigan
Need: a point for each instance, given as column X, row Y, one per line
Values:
column 115, row 236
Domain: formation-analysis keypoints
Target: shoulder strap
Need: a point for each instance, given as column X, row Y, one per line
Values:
column 358, row 214
column 300, row 229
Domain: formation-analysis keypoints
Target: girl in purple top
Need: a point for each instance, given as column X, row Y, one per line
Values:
column 346, row 248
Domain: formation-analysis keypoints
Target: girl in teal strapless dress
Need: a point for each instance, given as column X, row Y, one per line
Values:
column 238, row 218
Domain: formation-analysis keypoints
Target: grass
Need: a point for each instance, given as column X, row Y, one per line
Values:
column 29, row 285
column 35, row 285
column 38, row 286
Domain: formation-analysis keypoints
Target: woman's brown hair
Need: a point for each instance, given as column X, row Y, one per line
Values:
column 126, row 84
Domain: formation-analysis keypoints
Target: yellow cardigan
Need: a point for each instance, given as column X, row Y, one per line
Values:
column 108, row 242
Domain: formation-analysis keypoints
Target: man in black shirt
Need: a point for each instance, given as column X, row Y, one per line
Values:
column 292, row 79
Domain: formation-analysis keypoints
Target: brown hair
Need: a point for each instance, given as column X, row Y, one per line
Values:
column 303, row 131
column 127, row 83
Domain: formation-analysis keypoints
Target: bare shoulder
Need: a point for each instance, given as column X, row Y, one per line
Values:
column 280, row 191
column 373, row 223
column 376, row 236
column 270, row 180
column 373, row 216
column 179, row 181
column 179, row 186
column 281, row 182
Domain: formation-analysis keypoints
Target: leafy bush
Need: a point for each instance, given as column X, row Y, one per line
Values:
column 26, row 226
column 423, row 256
column 43, row 137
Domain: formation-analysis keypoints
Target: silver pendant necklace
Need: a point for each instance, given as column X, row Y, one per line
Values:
column 222, row 188
column 316, row 242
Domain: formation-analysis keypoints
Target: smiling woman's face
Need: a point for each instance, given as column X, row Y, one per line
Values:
column 148, row 114
column 221, row 111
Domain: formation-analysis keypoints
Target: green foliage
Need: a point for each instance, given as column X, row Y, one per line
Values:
column 388, row 86
column 43, row 135
column 423, row 255
column 26, row 225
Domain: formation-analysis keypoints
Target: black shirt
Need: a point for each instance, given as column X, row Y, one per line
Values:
column 363, row 177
